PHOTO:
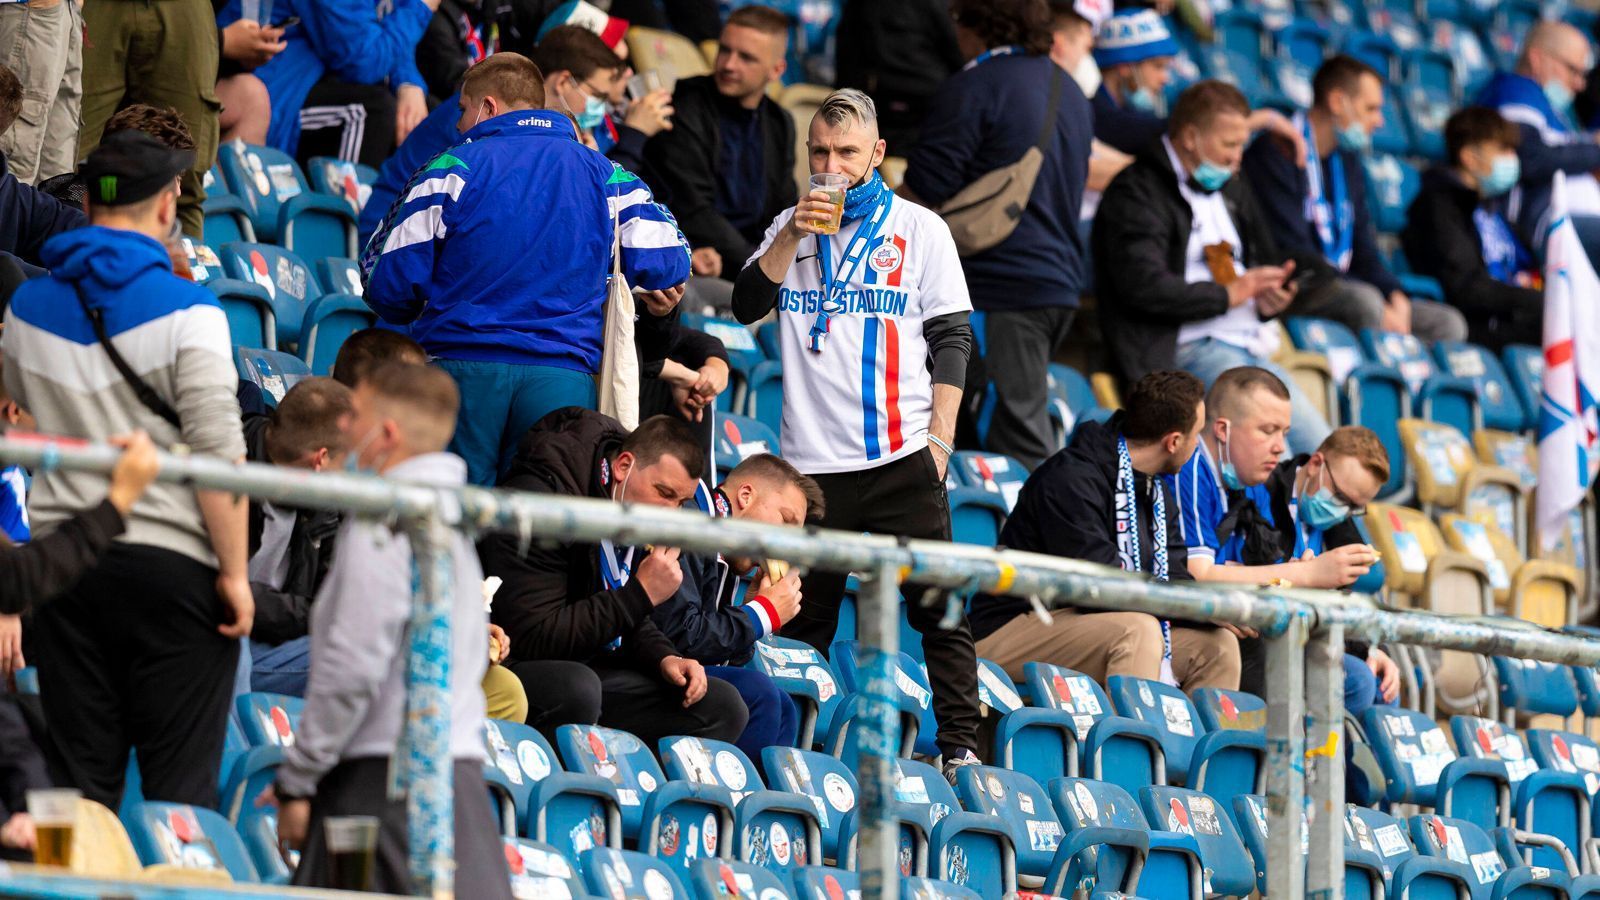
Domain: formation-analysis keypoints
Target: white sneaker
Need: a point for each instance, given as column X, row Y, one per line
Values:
column 951, row 764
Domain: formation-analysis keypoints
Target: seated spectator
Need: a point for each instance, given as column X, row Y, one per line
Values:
column 1456, row 231
column 701, row 618
column 727, row 166
column 519, row 347
column 1076, row 506
column 898, row 52
column 44, row 41
column 1189, row 270
column 346, row 83
column 579, row 75
column 1322, row 209
column 28, row 217
column 355, row 704
column 1537, row 98
column 579, row 614
column 370, row 348
column 459, row 36
column 290, row 549
column 243, row 47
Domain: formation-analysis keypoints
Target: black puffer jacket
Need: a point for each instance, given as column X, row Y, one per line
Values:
column 553, row 604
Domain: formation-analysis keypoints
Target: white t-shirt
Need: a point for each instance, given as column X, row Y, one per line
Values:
column 1240, row 325
column 867, row 397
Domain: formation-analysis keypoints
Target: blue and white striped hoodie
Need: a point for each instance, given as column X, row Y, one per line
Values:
column 499, row 249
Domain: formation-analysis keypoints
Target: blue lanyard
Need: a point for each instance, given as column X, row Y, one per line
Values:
column 1501, row 252
column 1335, row 220
column 833, row 289
column 991, row 53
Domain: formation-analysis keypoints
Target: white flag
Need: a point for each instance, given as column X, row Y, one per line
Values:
column 1568, row 456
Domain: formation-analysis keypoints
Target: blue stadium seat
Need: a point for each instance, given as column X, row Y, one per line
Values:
column 1464, row 842
column 744, row 354
column 258, row 829
column 1207, row 821
column 1431, row 95
column 999, row 475
column 608, row 872
column 1225, row 709
column 328, row 321
column 1224, row 763
column 1419, row 767
column 1072, row 400
column 823, row 781
column 1118, row 749
column 1552, row 802
column 1292, row 81
column 1376, row 50
column 1106, row 837
column 570, row 810
column 1531, row 687
column 349, row 181
column 252, row 321
column 269, row 720
column 1436, row 397
column 740, row 437
column 923, row 789
column 283, row 274
column 1244, row 72
column 1250, row 817
column 188, row 837
column 1240, row 30
column 1418, row 877
column 1376, row 397
column 1525, row 365
column 763, row 399
column 975, row 852
column 1392, row 183
column 913, row 693
column 275, row 373
column 1497, row 398
column 826, row 883
column 247, row 777
column 911, row 839
column 1041, row 743
column 934, row 889
column 770, row 340
column 338, row 274
column 282, row 206
column 540, row 870
column 1396, row 20
column 976, row 516
column 1305, row 41
column 226, row 219
column 1022, row 805
column 1566, row 751
column 522, row 757
column 715, row 879
column 802, row 673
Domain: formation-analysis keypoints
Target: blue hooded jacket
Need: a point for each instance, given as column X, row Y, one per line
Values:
column 500, row 248
column 1549, row 145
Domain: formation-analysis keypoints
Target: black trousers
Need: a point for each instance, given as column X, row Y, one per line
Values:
column 353, row 122
column 904, row 498
column 131, row 657
column 644, row 705
column 360, row 787
column 1017, row 346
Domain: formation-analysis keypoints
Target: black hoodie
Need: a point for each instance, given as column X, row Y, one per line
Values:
column 1067, row 508
column 553, row 604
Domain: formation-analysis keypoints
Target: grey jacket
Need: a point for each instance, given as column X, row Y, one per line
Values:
column 355, row 702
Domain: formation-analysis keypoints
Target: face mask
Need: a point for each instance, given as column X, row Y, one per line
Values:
column 1230, row 474
column 1354, row 138
column 594, row 112
column 1559, row 95
column 1210, row 176
column 622, row 488
column 1502, row 177
column 352, row 460
column 1320, row 511
column 1144, row 100
column 861, row 199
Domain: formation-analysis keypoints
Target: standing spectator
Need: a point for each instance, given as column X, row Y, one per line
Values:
column 1026, row 287
column 1321, row 208
column 727, row 166
column 1073, row 24
column 328, row 86
column 355, row 707
column 1456, row 231
column 1077, row 505
column 1188, row 268
column 1537, row 97
column 873, row 322
column 164, row 54
column 579, row 614
column 141, row 651
column 897, row 52
column 701, row 618
column 444, row 262
column 28, row 217
column 579, row 73
column 42, row 42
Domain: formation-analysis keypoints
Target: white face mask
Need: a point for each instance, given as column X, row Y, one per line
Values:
column 622, row 487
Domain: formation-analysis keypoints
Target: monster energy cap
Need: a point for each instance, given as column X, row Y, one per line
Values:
column 131, row 166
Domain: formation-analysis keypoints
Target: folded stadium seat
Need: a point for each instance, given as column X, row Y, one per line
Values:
column 1422, row 573
column 540, row 870
column 1497, row 399
column 826, row 883
column 1371, row 394
column 274, row 372
column 1236, row 68
column 1022, row 805
column 1223, row 763
column 738, row 438
column 744, row 354
column 1431, row 94
column 1221, row 709
column 976, row 516
column 1535, row 688
column 801, row 672
column 281, row 204
column 1072, row 399
column 249, row 774
column 284, row 275
column 769, row 339
column 188, row 837
column 715, row 879
column 1514, row 451
column 572, row 810
column 1409, row 874
column 268, row 719
column 1435, row 396
column 1449, row 476
column 1525, row 365
column 1464, row 842
column 1364, row 877
column 609, row 872
column 258, row 829
column 1378, row 50
column 1419, row 767
column 763, row 398
column 1201, row 816
column 913, row 694
column 1042, row 743
column 328, row 321
column 349, row 181
column 1109, row 844
column 1552, row 803
column 1249, row 813
column 1312, row 372
column 934, row 889
column 1115, row 748
column 100, row 844
column 1304, row 41
column 658, row 814
column 824, row 783
column 1539, row 591
column 993, row 472
column 252, row 321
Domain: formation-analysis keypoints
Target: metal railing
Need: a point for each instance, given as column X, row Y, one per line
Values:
column 1304, row 630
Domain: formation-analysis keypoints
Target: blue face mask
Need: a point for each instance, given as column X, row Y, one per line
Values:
column 594, row 112
column 352, row 460
column 861, row 199
column 1210, row 176
column 1230, row 473
column 1559, row 95
column 1354, row 138
column 1505, row 174
column 1320, row 511
column 1144, row 100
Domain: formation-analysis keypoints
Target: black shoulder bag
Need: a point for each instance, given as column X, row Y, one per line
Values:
column 146, row 394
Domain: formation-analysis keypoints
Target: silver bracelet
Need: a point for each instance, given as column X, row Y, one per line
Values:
column 948, row 450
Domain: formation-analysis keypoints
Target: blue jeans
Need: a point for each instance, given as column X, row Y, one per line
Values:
column 774, row 719
column 1209, row 357
column 500, row 402
column 281, row 668
column 1360, row 686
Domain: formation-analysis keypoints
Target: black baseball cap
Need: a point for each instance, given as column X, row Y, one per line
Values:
column 130, row 166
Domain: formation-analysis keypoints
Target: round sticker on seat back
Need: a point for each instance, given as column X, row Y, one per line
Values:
column 823, row 679
column 731, row 770
column 838, row 791
column 778, row 840
column 656, row 886
column 533, row 760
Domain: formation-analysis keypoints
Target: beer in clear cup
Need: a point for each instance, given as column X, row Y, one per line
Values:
column 352, row 851
column 834, row 186
column 54, row 812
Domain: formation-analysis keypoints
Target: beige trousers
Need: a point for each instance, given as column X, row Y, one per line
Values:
column 1101, row 644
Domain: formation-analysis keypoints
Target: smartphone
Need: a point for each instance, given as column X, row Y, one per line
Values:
column 1297, row 278
column 287, row 23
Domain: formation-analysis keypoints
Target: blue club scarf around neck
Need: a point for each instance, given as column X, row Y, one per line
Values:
column 859, row 200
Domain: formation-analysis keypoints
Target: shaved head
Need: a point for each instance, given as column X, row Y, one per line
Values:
column 1555, row 52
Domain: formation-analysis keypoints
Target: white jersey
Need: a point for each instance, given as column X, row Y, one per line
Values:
column 866, row 398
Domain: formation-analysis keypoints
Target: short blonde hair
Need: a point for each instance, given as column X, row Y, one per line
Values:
column 1361, row 444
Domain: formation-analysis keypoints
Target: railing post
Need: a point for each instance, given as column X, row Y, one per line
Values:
column 1286, row 707
column 1325, row 753
column 878, row 626
column 423, row 765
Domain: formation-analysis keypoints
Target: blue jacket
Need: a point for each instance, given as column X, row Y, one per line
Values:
column 500, row 250
column 1123, row 127
column 344, row 38
column 29, row 217
column 436, row 134
column 1549, row 145
column 985, row 118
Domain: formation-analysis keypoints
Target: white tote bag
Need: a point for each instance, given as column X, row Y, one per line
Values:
column 619, row 361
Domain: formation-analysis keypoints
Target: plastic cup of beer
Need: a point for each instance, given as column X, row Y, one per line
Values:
column 352, row 850
column 646, row 82
column 54, row 813
column 834, row 186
